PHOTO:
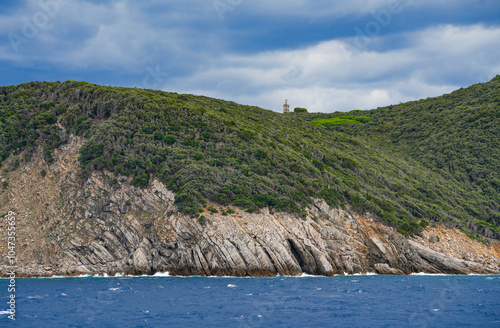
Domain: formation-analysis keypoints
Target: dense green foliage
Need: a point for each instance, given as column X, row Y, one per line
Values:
column 300, row 110
column 456, row 136
column 402, row 168
column 341, row 120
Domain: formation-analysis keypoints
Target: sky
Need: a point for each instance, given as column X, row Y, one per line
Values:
column 325, row 56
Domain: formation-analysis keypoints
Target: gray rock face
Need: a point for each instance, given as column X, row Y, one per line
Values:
column 384, row 268
column 99, row 227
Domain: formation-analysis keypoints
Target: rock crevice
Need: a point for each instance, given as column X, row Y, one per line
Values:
column 69, row 227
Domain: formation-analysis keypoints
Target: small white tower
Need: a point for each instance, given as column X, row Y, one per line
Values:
column 286, row 107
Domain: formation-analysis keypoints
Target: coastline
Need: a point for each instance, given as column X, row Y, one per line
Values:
column 303, row 275
column 65, row 227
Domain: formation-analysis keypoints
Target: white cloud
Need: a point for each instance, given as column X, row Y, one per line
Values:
column 202, row 56
column 87, row 35
column 329, row 76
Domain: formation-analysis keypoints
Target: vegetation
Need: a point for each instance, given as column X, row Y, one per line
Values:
column 434, row 160
column 300, row 110
column 341, row 120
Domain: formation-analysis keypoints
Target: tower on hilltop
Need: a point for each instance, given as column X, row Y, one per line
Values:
column 286, row 107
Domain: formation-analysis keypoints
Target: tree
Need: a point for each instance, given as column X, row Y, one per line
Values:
column 300, row 110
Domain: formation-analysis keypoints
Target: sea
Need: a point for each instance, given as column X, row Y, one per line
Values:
column 306, row 301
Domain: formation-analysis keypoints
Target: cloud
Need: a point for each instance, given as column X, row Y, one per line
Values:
column 334, row 75
column 260, row 54
column 96, row 35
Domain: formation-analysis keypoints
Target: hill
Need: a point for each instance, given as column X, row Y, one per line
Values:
column 433, row 160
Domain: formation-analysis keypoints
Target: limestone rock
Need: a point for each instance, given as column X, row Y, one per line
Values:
column 384, row 268
column 69, row 227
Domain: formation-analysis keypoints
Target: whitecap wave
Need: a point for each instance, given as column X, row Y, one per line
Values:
column 63, row 277
column 356, row 274
column 307, row 275
column 363, row 274
column 429, row 274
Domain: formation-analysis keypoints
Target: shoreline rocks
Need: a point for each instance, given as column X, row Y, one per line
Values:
column 68, row 228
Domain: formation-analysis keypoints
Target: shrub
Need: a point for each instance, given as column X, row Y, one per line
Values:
column 260, row 154
column 169, row 140
column 158, row 136
column 212, row 209
column 140, row 180
column 296, row 168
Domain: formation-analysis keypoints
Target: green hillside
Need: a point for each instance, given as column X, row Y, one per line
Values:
column 430, row 160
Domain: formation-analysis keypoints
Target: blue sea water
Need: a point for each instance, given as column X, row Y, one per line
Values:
column 340, row 301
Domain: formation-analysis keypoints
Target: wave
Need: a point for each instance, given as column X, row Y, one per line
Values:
column 168, row 275
column 360, row 274
column 37, row 297
column 444, row 274
column 60, row 277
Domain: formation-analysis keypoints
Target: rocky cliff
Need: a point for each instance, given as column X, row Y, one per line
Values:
column 66, row 226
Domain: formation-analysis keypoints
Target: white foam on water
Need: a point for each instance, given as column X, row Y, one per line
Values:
column 303, row 275
column 36, row 297
column 231, row 286
column 429, row 274
column 115, row 288
column 5, row 312
column 355, row 274
column 306, row 275
column 62, row 277
column 364, row 274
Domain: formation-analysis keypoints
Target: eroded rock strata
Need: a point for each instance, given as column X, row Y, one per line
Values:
column 104, row 225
